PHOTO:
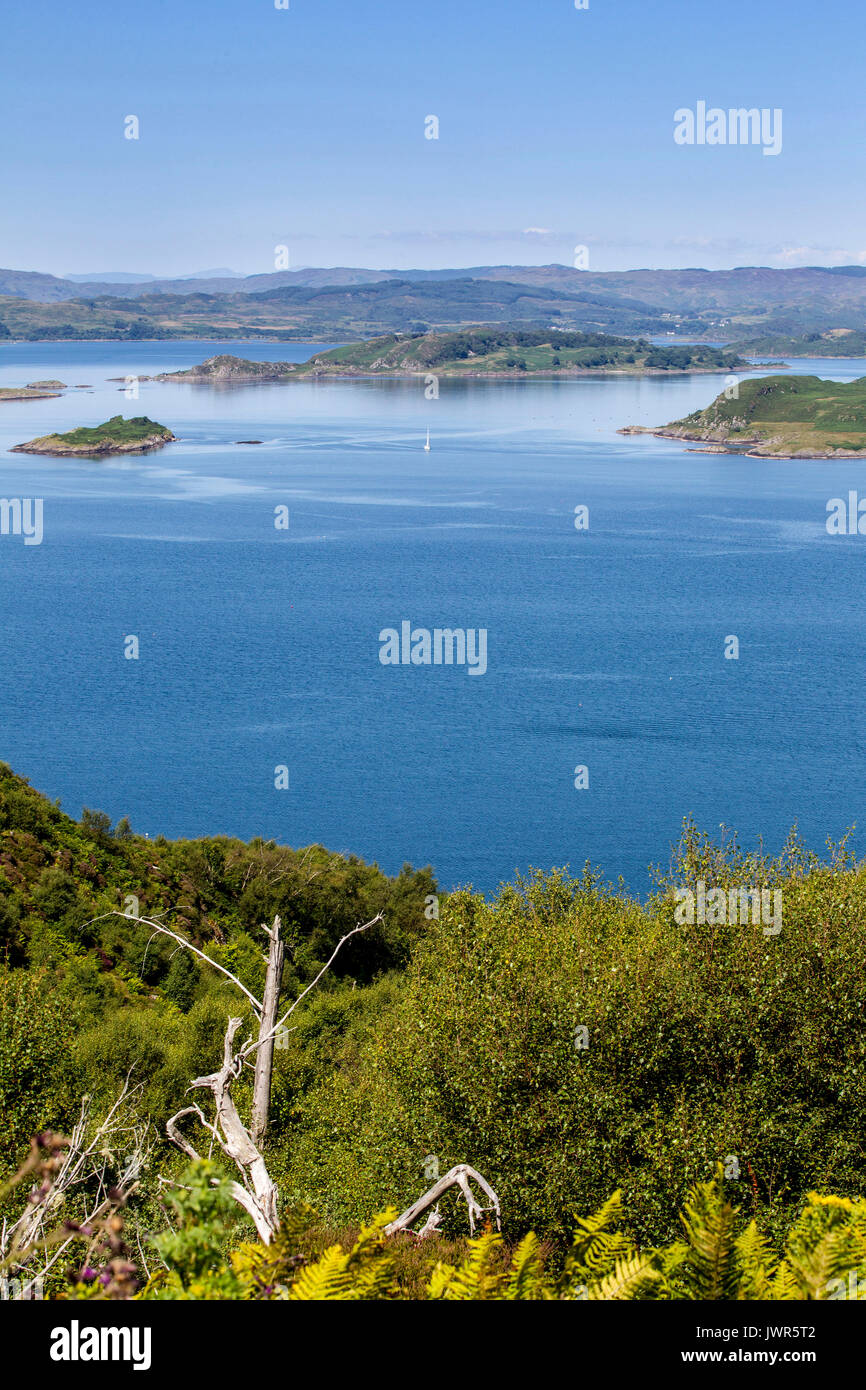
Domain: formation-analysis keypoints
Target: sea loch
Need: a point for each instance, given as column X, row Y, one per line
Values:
column 257, row 646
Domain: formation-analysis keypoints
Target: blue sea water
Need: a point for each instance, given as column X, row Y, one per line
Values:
column 260, row 647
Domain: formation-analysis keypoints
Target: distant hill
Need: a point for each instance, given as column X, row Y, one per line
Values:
column 31, row 284
column 48, row 288
column 323, row 313
column 111, row 277
column 838, row 342
column 746, row 303
column 729, row 291
column 128, row 277
column 781, row 417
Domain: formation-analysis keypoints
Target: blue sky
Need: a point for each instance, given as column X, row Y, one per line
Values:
column 305, row 127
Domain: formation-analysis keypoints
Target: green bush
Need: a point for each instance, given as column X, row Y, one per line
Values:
column 37, row 1086
column 704, row 1043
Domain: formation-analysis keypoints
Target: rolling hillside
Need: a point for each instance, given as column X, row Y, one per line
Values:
column 782, row 417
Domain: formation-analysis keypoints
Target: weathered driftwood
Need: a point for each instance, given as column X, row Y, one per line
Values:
column 458, row 1176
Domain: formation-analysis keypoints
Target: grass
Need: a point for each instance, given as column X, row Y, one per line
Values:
column 117, row 430
column 797, row 413
column 492, row 349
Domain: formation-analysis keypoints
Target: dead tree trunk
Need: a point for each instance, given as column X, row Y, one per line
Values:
column 258, row 1192
column 267, row 1036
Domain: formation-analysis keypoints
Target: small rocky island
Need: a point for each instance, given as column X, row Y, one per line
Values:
column 777, row 417
column 33, row 391
column 228, row 369
column 116, row 436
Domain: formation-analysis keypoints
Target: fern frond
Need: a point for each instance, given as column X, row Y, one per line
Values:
column 631, row 1279
column 710, row 1270
column 784, row 1287
column 477, row 1278
column 589, row 1229
column 440, row 1279
column 816, row 1270
column 525, row 1278
column 755, row 1264
column 327, row 1280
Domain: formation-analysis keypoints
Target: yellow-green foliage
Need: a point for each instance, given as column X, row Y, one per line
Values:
column 824, row 1257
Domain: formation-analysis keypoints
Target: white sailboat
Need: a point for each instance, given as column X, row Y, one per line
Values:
column 427, row 445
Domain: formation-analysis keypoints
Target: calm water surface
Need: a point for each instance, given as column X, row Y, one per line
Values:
column 260, row 647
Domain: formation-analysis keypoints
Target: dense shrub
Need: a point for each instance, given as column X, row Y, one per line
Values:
column 704, row 1042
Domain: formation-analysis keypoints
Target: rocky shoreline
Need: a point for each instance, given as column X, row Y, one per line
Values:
column 24, row 393
column 116, row 436
column 33, row 391
column 290, row 371
column 51, row 445
column 758, row 447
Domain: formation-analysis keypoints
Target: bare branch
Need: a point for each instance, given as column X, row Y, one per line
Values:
column 180, row 1139
column 88, row 1152
column 182, row 941
column 458, row 1176
column 380, row 917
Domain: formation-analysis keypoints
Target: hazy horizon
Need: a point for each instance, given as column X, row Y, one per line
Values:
column 144, row 276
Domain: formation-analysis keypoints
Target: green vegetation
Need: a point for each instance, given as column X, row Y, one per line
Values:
column 717, row 1256
column 115, row 436
column 788, row 417
column 472, row 352
column 504, row 351
column 837, row 342
column 116, row 430
column 84, row 996
column 702, row 1043
column 565, row 1039
column 346, row 303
